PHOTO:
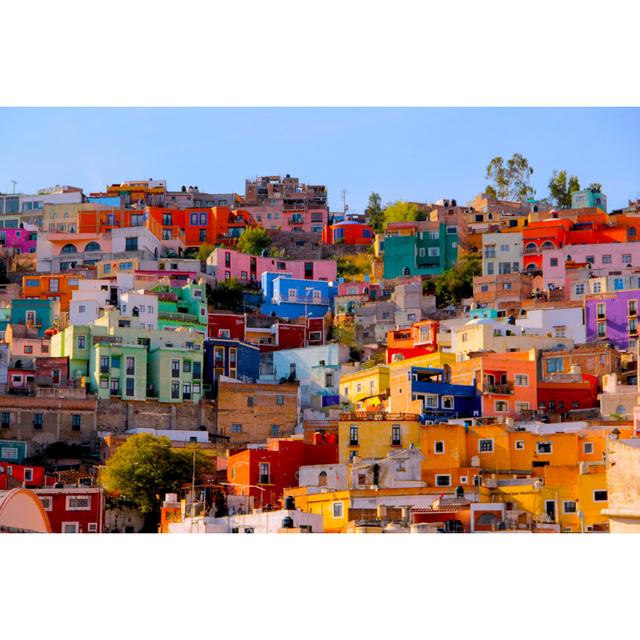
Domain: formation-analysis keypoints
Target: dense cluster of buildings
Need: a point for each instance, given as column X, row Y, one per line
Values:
column 325, row 401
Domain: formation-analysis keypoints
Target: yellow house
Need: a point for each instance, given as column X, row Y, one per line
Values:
column 365, row 387
column 375, row 435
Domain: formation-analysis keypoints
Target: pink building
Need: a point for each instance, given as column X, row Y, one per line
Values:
column 21, row 240
column 603, row 259
column 224, row 264
column 372, row 289
column 274, row 216
column 24, row 342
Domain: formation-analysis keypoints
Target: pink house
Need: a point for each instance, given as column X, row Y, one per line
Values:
column 224, row 264
column 24, row 342
column 21, row 240
column 603, row 258
column 274, row 216
column 372, row 289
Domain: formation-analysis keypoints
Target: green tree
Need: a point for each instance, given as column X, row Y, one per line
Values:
column 254, row 240
column 227, row 294
column 400, row 211
column 510, row 181
column 456, row 283
column 204, row 251
column 375, row 212
column 595, row 187
column 145, row 467
column 561, row 187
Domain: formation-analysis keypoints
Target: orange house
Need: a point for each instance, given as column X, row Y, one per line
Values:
column 103, row 220
column 507, row 381
column 417, row 340
column 51, row 287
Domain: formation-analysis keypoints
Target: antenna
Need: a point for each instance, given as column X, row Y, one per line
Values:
column 14, row 186
column 345, row 206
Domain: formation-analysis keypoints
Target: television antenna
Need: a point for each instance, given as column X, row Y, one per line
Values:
column 14, row 182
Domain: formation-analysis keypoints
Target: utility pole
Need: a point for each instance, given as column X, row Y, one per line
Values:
column 345, row 206
column 14, row 186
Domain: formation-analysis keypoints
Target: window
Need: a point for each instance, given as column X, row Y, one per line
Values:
column 28, row 475
column 175, row 391
column 175, row 368
column 522, row 406
column 633, row 326
column 92, row 527
column 606, row 259
column 30, row 317
column 47, row 502
column 130, row 388
column 395, row 435
column 600, row 495
column 353, row 436
column 626, row 258
column 506, row 286
column 521, row 380
column 131, row 366
column 28, row 348
column 275, row 430
column 115, row 387
column 196, row 370
column 6, row 422
column 78, row 503
column 484, row 288
column 104, row 364
column 597, row 286
column 485, row 445
column 553, row 262
column 519, row 445
column 107, row 268
column 569, row 506
column 236, row 428
column 249, row 401
column 602, row 329
column 438, row 447
column 75, row 422
column 633, row 307
column 53, row 285
column 590, row 259
column 580, row 289
column 264, row 473
column 587, row 448
column 504, row 248
column 337, row 510
column 447, row 402
column 131, row 244
column 104, row 383
column 501, row 406
column 431, row 401
column 443, row 480
column 279, row 399
column 37, row 421
column 544, row 447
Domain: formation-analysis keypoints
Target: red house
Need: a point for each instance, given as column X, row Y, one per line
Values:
column 560, row 397
column 22, row 475
column 264, row 473
column 73, row 509
column 348, row 232
column 222, row 324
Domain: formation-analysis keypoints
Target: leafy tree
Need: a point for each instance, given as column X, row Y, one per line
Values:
column 561, row 187
column 254, row 240
column 375, row 212
column 204, row 251
column 145, row 467
column 351, row 266
column 400, row 211
column 345, row 333
column 595, row 187
column 456, row 283
column 510, row 181
column 227, row 294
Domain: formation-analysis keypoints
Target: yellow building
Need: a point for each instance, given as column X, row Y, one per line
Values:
column 367, row 387
column 375, row 435
column 63, row 218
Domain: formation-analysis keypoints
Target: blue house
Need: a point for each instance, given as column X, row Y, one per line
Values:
column 286, row 297
column 442, row 401
column 12, row 450
column 37, row 313
column 231, row 358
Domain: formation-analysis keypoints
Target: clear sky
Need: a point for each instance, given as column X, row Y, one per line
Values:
column 413, row 154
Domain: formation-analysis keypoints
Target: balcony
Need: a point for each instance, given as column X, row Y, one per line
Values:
column 489, row 254
column 505, row 388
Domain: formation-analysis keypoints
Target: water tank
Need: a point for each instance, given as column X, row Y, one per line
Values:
column 290, row 503
column 287, row 522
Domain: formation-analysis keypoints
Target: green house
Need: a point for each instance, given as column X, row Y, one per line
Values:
column 421, row 253
column 74, row 343
column 176, row 374
column 118, row 369
column 182, row 307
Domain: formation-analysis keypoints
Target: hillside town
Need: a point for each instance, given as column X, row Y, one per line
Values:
column 179, row 361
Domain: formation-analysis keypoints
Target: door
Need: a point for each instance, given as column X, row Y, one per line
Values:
column 550, row 509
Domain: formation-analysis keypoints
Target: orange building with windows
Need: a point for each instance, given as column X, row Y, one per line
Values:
column 417, row 340
column 507, row 381
column 58, row 287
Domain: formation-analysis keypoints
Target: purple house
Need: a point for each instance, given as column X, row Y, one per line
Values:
column 613, row 317
column 21, row 240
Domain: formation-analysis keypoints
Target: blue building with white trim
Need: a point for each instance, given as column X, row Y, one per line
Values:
column 284, row 296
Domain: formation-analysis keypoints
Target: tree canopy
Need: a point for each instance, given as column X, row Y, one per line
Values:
column 561, row 186
column 400, row 211
column 456, row 283
column 510, row 181
column 227, row 294
column 145, row 467
column 375, row 212
column 254, row 240
column 204, row 251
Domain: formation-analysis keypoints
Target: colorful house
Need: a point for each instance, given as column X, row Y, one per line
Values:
column 41, row 314
column 348, row 232
column 231, row 358
column 21, row 240
column 417, row 340
column 59, row 287
column 613, row 317
column 287, row 297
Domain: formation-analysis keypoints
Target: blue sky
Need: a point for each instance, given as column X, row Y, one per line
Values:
column 420, row 154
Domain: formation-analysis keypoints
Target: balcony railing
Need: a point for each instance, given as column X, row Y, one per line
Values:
column 506, row 388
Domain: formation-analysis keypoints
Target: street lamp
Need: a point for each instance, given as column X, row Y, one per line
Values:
column 307, row 291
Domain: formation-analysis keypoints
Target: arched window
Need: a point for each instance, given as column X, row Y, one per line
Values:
column 135, row 312
column 69, row 248
column 322, row 479
column 92, row 246
column 548, row 245
column 406, row 271
column 531, row 246
column 531, row 267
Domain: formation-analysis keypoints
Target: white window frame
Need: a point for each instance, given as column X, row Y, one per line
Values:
column 28, row 470
column 47, row 502
column 584, row 448
column 519, row 445
column 464, row 479
column 431, row 396
column 544, row 453
column 92, row 527
column 68, row 506
column 564, row 508
column 435, row 451
column 521, row 375
column 75, row 524
column 495, row 406
column 337, row 506
column 446, row 398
